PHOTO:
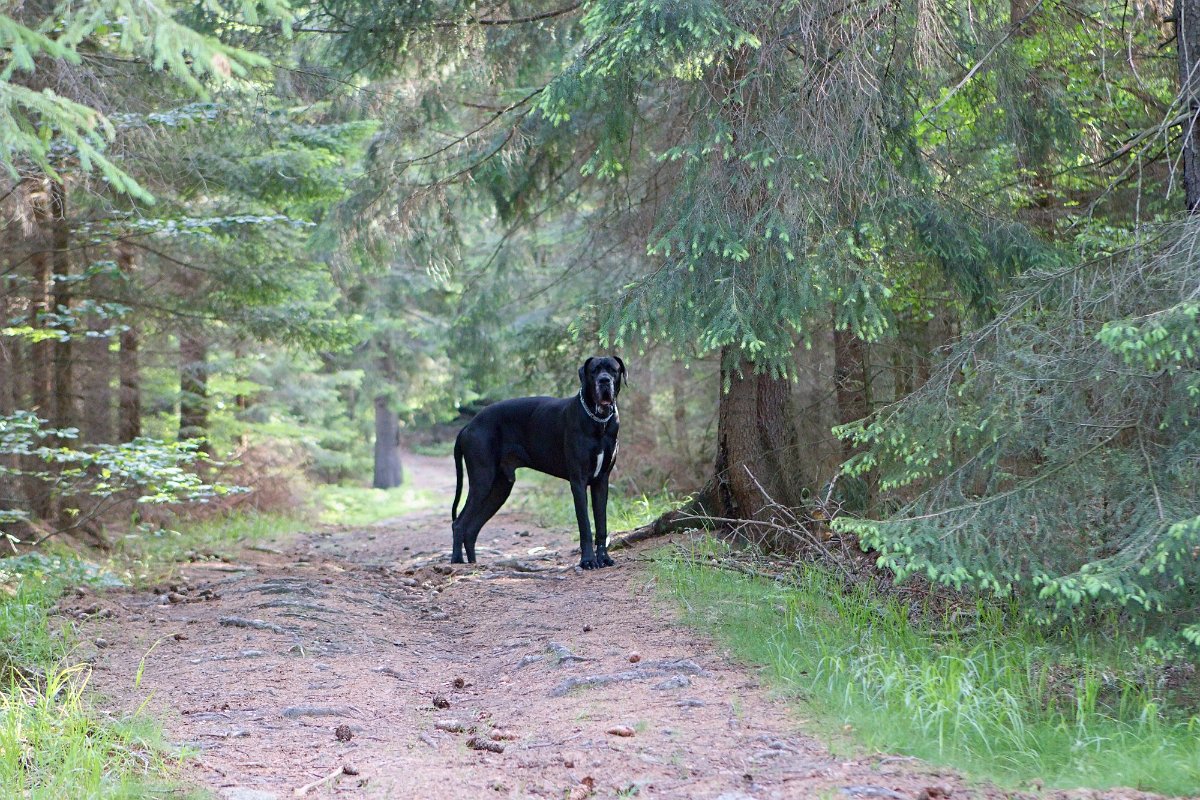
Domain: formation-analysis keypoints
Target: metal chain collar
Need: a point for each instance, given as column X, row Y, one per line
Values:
column 588, row 411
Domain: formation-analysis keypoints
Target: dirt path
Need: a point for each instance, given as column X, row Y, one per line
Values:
column 259, row 664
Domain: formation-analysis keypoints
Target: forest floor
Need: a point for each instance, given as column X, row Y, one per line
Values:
column 359, row 656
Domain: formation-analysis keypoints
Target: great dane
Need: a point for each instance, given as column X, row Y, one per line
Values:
column 573, row 438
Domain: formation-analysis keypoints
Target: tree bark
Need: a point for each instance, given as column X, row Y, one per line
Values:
column 129, row 376
column 389, row 472
column 10, row 492
column 64, row 370
column 679, row 410
column 757, row 448
column 193, row 384
column 95, row 382
column 41, row 353
column 1187, row 38
column 850, row 380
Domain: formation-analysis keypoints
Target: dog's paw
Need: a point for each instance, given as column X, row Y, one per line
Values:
column 456, row 560
column 590, row 563
column 603, row 560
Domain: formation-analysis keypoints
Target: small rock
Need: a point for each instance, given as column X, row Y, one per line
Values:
column 872, row 791
column 673, row 682
column 458, row 683
column 100, row 642
column 635, row 657
column 620, row 730
column 587, row 628
column 450, row 725
column 343, row 733
column 349, row 769
column 242, row 793
column 440, row 702
column 934, row 793
column 176, row 597
column 179, row 637
column 502, row 735
column 480, row 743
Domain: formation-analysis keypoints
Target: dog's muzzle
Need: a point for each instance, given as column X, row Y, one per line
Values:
column 605, row 395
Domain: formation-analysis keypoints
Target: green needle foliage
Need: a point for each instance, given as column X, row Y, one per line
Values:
column 1054, row 455
column 41, row 128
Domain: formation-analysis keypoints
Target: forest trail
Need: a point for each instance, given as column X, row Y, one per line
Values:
column 338, row 646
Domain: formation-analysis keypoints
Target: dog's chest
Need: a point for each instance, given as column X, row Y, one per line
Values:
column 605, row 456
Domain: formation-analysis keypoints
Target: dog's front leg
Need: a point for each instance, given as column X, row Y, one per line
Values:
column 600, row 511
column 587, row 557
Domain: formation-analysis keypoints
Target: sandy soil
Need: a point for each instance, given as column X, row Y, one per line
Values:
column 359, row 653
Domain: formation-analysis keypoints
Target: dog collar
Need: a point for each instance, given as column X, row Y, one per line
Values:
column 588, row 411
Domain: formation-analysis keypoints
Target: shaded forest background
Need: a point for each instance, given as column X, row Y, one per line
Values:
column 923, row 276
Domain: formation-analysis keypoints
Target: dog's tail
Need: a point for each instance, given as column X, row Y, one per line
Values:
column 458, row 477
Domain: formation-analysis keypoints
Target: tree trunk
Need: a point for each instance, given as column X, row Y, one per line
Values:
column 64, row 378
column 850, row 380
column 95, row 383
column 10, row 492
column 389, row 472
column 129, row 376
column 679, row 410
column 758, row 456
column 1187, row 38
column 41, row 353
column 853, row 403
column 193, row 384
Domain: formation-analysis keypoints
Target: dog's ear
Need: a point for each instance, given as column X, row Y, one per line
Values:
column 624, row 374
column 583, row 372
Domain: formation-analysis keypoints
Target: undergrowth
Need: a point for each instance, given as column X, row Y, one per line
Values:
column 548, row 501
column 349, row 504
column 148, row 554
column 970, row 687
column 53, row 744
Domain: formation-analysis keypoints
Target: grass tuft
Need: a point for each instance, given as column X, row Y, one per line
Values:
column 999, row 699
column 345, row 504
column 53, row 744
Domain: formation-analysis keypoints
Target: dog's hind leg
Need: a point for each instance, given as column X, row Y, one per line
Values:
column 500, row 490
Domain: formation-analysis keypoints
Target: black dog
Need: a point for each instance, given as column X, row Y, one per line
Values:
column 573, row 438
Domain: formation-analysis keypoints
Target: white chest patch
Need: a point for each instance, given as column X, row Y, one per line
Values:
column 599, row 463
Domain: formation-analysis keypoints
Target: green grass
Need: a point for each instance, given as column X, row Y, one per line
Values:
column 147, row 554
column 53, row 744
column 362, row 505
column 548, row 501
column 999, row 699
column 442, row 448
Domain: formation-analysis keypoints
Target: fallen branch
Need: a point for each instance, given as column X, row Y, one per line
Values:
column 345, row 769
column 669, row 522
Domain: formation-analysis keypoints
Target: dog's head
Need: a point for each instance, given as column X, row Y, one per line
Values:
column 601, row 377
